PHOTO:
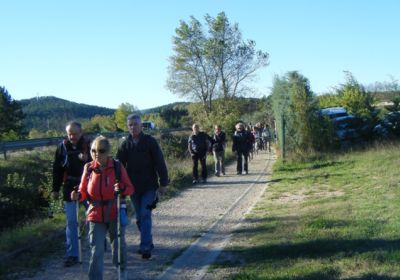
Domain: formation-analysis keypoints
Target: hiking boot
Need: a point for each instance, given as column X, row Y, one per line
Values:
column 194, row 182
column 70, row 261
column 146, row 255
column 140, row 251
column 216, row 174
column 238, row 173
column 247, row 172
column 204, row 180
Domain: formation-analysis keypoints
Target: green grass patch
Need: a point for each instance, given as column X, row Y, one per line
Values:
column 335, row 218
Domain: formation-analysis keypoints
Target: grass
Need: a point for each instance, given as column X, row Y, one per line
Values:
column 336, row 218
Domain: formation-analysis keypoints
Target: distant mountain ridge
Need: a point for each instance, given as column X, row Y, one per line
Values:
column 51, row 113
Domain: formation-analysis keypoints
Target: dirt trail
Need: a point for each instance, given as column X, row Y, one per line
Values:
column 189, row 230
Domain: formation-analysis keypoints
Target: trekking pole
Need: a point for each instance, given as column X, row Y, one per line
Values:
column 119, row 235
column 79, row 232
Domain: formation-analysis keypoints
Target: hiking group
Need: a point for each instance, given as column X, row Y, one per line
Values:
column 88, row 173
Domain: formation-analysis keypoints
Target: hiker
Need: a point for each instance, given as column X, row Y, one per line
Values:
column 198, row 145
column 70, row 157
column 102, row 180
column 241, row 145
column 267, row 137
column 218, row 148
column 145, row 164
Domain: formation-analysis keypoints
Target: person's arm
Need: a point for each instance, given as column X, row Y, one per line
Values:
column 122, row 154
column 159, row 162
column 58, row 173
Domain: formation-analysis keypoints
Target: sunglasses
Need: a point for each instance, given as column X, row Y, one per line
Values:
column 98, row 151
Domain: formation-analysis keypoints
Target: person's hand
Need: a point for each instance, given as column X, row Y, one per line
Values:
column 117, row 190
column 74, row 195
column 55, row 195
column 83, row 157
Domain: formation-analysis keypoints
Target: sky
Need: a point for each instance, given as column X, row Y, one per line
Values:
column 106, row 53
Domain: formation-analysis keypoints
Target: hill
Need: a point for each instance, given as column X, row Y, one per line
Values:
column 51, row 113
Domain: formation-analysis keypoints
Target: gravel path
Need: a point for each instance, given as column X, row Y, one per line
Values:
column 189, row 230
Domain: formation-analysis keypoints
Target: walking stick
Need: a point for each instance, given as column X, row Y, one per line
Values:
column 79, row 234
column 119, row 234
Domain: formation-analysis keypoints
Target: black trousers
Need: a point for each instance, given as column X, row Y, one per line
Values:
column 202, row 158
column 240, row 156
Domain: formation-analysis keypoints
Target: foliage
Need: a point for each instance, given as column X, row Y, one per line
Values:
column 122, row 112
column 24, row 188
column 355, row 99
column 218, row 65
column 329, row 100
column 236, row 60
column 296, row 108
column 99, row 124
column 11, row 116
column 172, row 116
column 52, row 113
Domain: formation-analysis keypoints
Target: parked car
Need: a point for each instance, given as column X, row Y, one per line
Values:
column 334, row 112
column 148, row 125
column 389, row 127
column 350, row 130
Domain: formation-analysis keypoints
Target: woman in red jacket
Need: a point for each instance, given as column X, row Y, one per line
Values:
column 99, row 186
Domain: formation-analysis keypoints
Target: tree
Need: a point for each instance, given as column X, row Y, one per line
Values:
column 219, row 65
column 355, row 99
column 191, row 70
column 11, row 116
column 122, row 112
column 236, row 60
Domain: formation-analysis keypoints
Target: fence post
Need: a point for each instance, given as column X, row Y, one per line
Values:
column 283, row 137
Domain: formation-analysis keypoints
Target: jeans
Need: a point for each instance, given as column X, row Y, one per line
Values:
column 143, row 218
column 71, row 230
column 219, row 158
column 202, row 158
column 240, row 165
column 97, row 235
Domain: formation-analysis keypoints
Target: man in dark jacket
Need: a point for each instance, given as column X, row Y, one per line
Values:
column 198, row 145
column 70, row 157
column 218, row 147
column 144, row 161
column 241, row 145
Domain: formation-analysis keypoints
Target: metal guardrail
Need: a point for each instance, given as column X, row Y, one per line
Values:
column 6, row 146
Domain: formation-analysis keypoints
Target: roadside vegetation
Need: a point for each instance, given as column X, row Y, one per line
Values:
column 332, row 218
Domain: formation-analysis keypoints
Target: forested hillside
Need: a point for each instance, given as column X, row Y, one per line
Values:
column 51, row 113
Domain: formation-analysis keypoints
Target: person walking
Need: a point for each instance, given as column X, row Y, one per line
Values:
column 198, row 146
column 146, row 167
column 70, row 157
column 218, row 148
column 241, row 145
column 267, row 137
column 102, row 180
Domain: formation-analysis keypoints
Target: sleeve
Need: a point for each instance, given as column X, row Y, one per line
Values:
column 122, row 155
column 159, row 162
column 128, row 188
column 190, row 145
column 84, row 184
column 58, row 171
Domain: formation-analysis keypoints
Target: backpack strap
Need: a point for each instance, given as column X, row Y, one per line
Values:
column 117, row 170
